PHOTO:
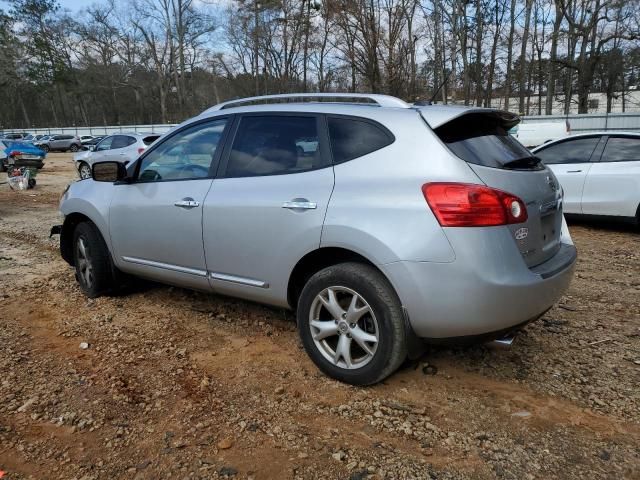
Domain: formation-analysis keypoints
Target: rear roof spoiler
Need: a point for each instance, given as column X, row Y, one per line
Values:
column 438, row 115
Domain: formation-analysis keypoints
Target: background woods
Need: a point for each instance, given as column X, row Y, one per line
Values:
column 146, row 61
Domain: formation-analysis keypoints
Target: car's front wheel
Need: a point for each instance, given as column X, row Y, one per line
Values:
column 351, row 324
column 74, row 148
column 84, row 171
column 44, row 148
column 91, row 259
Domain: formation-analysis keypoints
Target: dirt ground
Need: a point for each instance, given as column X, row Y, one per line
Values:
column 177, row 384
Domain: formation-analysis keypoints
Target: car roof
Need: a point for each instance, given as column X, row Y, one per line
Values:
column 597, row 133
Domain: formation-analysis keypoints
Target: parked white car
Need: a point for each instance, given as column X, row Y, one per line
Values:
column 538, row 133
column 599, row 172
column 121, row 147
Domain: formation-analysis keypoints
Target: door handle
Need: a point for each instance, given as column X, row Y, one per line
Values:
column 300, row 205
column 574, row 171
column 187, row 203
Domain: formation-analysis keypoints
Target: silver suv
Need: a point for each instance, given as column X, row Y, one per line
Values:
column 61, row 143
column 402, row 224
column 121, row 147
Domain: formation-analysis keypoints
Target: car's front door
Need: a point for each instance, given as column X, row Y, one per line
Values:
column 570, row 161
column 101, row 150
column 612, row 186
column 267, row 208
column 156, row 221
column 56, row 142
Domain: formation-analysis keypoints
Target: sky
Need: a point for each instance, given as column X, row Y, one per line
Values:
column 73, row 5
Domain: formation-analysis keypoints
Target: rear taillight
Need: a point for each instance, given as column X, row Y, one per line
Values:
column 15, row 153
column 140, row 150
column 469, row 205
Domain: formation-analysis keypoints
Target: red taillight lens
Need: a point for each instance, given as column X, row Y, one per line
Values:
column 140, row 150
column 469, row 205
column 15, row 153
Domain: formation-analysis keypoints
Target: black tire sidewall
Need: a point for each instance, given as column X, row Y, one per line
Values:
column 99, row 256
column 367, row 282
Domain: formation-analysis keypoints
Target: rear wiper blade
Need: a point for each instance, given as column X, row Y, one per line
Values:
column 523, row 162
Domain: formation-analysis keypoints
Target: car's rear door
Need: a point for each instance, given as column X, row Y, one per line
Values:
column 119, row 147
column 156, row 221
column 266, row 209
column 612, row 186
column 570, row 161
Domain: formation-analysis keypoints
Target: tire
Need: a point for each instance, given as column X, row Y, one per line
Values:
column 73, row 148
column 44, row 148
column 84, row 170
column 382, row 320
column 3, row 167
column 300, row 151
column 32, row 182
column 92, row 261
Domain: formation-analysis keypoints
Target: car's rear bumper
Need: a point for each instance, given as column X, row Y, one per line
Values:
column 478, row 294
column 30, row 163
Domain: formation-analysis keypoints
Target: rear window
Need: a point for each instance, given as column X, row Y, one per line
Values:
column 150, row 139
column 482, row 139
column 351, row 138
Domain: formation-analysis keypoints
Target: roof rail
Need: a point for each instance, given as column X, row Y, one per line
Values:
column 365, row 98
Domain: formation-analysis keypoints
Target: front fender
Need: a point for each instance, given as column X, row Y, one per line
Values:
column 92, row 200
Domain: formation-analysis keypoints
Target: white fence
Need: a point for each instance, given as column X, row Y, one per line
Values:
column 579, row 123
column 592, row 122
column 158, row 128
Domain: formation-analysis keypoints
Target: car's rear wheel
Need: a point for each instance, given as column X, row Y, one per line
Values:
column 74, row 148
column 351, row 324
column 84, row 170
column 92, row 262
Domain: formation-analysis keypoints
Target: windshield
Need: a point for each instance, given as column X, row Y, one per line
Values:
column 483, row 139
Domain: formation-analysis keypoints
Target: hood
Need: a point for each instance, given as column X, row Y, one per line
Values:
column 82, row 155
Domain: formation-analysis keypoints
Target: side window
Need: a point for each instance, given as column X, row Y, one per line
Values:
column 352, row 138
column 570, row 151
column 104, row 144
column 121, row 141
column 184, row 156
column 621, row 149
column 275, row 145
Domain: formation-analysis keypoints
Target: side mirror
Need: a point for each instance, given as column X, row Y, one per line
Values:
column 108, row 172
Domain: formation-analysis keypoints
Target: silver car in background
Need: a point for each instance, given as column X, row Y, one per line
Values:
column 121, row 147
column 60, row 143
column 394, row 225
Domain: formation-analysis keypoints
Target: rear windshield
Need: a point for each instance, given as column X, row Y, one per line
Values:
column 482, row 139
column 149, row 140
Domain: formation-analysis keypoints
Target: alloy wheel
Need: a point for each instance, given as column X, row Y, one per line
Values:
column 85, row 268
column 343, row 327
column 85, row 171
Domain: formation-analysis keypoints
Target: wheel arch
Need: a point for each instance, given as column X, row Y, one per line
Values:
column 315, row 261
column 71, row 221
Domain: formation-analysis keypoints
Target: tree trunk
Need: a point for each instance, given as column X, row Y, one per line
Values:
column 509, row 75
column 523, row 53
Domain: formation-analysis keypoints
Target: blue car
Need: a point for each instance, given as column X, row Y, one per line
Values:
column 25, row 153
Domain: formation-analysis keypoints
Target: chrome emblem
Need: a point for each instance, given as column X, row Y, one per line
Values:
column 522, row 233
column 551, row 183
